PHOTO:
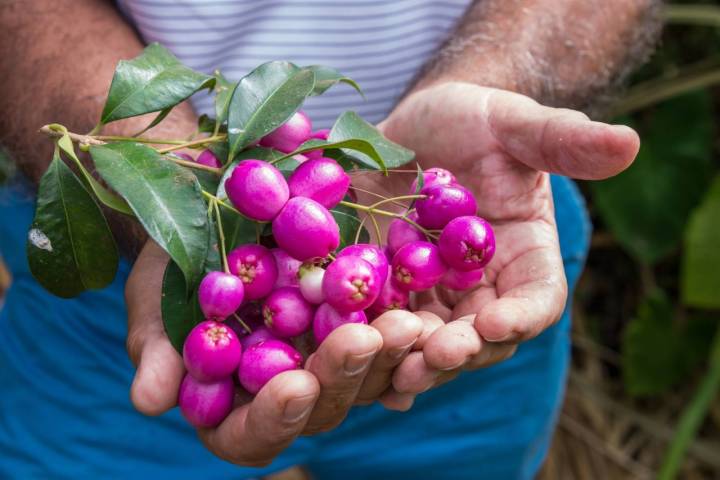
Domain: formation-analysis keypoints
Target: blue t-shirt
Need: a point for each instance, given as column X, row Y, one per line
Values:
column 65, row 410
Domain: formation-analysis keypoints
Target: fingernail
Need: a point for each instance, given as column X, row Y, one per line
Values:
column 355, row 364
column 399, row 352
column 297, row 408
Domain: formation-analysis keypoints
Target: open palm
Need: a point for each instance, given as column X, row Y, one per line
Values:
column 501, row 145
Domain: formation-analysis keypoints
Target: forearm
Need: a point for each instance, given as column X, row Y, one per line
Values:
column 568, row 53
column 56, row 63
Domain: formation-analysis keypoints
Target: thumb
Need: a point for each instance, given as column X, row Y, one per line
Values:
column 559, row 140
column 159, row 366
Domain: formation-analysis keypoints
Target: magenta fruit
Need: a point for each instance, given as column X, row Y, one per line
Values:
column 305, row 229
column 328, row 319
column 257, row 189
column 219, row 295
column 259, row 334
column 351, row 284
column 184, row 156
column 401, row 233
column 208, row 158
column 262, row 361
column 372, row 254
column 286, row 313
column 290, row 135
column 443, row 203
column 206, row 404
column 434, row 176
column 391, row 298
column 288, row 269
column 211, row 351
column 459, row 280
column 417, row 266
column 311, row 278
column 322, row 179
column 467, row 243
column 256, row 267
column 319, row 135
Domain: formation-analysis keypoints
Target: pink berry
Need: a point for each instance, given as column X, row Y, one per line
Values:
column 372, row 254
column 401, row 233
column 328, row 319
column 434, row 176
column 391, row 298
column 322, row 179
column 256, row 267
column 351, row 284
column 287, row 313
column 319, row 135
column 290, row 135
column 417, row 266
column 262, row 361
column 211, row 351
column 208, row 158
column 443, row 203
column 257, row 189
column 206, row 404
column 311, row 278
column 219, row 295
column 459, row 280
column 259, row 334
column 184, row 156
column 467, row 243
column 288, row 269
column 305, row 229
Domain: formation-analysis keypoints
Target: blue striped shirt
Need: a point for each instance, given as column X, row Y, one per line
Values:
column 379, row 43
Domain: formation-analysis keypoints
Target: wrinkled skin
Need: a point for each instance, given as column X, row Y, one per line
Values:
column 498, row 144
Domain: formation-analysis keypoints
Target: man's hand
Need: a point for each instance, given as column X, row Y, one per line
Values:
column 500, row 145
column 354, row 364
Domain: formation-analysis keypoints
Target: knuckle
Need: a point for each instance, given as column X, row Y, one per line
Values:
column 134, row 345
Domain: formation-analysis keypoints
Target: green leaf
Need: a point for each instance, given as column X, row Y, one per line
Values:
column 348, row 221
column 647, row 206
column 108, row 198
column 355, row 144
column 158, row 118
column 224, row 90
column 659, row 352
column 70, row 248
column 326, row 77
column 165, row 197
column 206, row 124
column 238, row 229
column 257, row 153
column 265, row 99
column 179, row 313
column 419, row 184
column 351, row 127
column 700, row 278
column 153, row 81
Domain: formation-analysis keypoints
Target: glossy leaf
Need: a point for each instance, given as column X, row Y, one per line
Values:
column 224, row 90
column 153, row 81
column 350, row 126
column 70, row 248
column 180, row 313
column 326, row 77
column 348, row 221
column 206, row 124
column 265, row 99
column 658, row 352
column 700, row 280
column 106, row 197
column 647, row 206
column 165, row 197
column 355, row 144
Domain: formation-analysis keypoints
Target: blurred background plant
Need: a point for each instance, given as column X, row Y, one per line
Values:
column 642, row 400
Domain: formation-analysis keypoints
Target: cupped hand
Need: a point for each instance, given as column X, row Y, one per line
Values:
column 500, row 145
column 353, row 365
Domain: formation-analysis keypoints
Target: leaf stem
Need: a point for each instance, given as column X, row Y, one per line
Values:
column 221, row 236
column 194, row 143
column 157, row 141
column 368, row 192
column 212, row 197
column 368, row 209
column 196, row 166
column 54, row 131
column 242, row 322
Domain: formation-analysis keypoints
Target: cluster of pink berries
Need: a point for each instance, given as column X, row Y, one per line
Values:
column 298, row 287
